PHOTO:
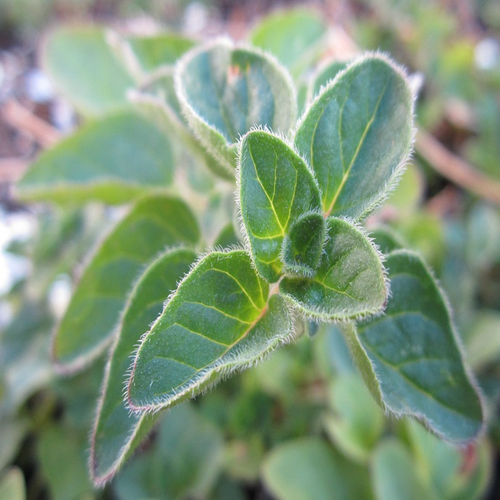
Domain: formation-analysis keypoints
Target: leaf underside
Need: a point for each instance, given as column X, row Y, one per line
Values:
column 153, row 224
column 116, row 429
column 219, row 320
column 357, row 134
column 349, row 281
column 276, row 188
column 415, row 355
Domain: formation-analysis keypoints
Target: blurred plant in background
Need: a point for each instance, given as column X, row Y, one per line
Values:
column 290, row 428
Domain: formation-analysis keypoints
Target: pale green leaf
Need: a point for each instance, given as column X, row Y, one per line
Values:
column 357, row 135
column 114, row 159
column 117, row 431
column 276, row 188
column 413, row 350
column 303, row 246
column 310, row 469
column 224, row 91
column 483, row 339
column 349, row 281
column 395, row 476
column 85, row 69
column 87, row 327
column 220, row 320
column 12, row 485
column 325, row 74
column 227, row 237
column 296, row 37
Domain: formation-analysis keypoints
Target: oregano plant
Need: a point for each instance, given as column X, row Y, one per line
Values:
column 177, row 312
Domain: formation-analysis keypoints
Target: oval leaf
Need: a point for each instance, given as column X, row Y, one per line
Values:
column 224, row 91
column 349, row 282
column 218, row 321
column 414, row 352
column 90, row 319
column 357, row 135
column 84, row 68
column 113, row 160
column 310, row 469
column 117, row 431
column 295, row 36
column 276, row 187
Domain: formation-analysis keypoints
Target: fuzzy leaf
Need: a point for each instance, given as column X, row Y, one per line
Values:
column 276, row 187
column 117, row 431
column 114, row 160
column 357, row 135
column 296, row 37
column 218, row 321
column 310, row 469
column 224, row 91
column 414, row 353
column 84, row 68
column 325, row 74
column 303, row 246
column 90, row 319
column 349, row 282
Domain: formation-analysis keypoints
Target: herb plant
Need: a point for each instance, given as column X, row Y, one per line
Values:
column 178, row 313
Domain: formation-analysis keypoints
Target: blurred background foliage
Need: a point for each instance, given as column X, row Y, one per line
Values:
column 301, row 425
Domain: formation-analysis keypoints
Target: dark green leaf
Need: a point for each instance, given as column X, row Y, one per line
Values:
column 413, row 350
column 296, row 37
column 310, row 469
column 87, row 327
column 357, row 135
column 303, row 246
column 349, row 282
column 84, row 68
column 224, row 91
column 114, row 159
column 116, row 430
column 276, row 188
column 218, row 321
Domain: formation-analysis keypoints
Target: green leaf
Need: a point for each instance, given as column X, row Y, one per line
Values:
column 357, row 135
column 12, row 434
column 482, row 341
column 218, row 321
column 224, row 91
column 386, row 239
column 84, row 68
column 357, row 421
column 183, row 463
column 395, row 476
column 303, row 246
column 310, row 469
column 12, row 485
column 276, row 188
column 114, row 159
column 117, row 431
column 296, row 37
column 349, row 281
column 87, row 327
column 413, row 350
column 325, row 74
column 227, row 237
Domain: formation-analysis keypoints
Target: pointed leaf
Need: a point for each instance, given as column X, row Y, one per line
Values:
column 218, row 321
column 295, row 36
column 117, row 431
column 88, row 324
column 224, row 91
column 357, row 135
column 303, row 246
column 414, row 352
column 349, row 282
column 113, row 160
column 84, row 68
column 276, row 187
column 310, row 469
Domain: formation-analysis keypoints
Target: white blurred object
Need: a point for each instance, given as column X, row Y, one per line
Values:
column 487, row 54
column 38, row 86
column 195, row 18
column 59, row 295
column 417, row 81
column 12, row 269
column 6, row 313
column 63, row 115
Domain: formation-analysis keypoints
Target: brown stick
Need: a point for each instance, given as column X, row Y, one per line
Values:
column 21, row 118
